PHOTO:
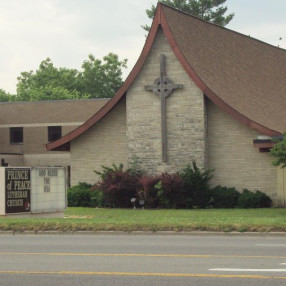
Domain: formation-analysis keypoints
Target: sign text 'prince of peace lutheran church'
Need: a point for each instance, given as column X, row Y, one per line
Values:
column 17, row 190
column 36, row 190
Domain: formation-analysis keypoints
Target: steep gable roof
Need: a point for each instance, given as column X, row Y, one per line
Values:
column 243, row 76
column 247, row 75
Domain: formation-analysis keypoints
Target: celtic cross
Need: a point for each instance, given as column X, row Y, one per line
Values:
column 163, row 87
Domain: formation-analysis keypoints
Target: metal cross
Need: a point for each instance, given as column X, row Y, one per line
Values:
column 163, row 87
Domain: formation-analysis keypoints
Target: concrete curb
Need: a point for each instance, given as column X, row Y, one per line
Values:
column 165, row 233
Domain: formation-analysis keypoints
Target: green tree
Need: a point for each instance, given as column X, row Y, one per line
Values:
column 279, row 152
column 209, row 10
column 47, row 83
column 98, row 78
column 5, row 96
column 101, row 78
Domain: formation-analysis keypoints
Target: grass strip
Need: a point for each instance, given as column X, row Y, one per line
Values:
column 90, row 219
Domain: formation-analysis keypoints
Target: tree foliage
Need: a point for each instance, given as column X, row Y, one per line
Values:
column 209, row 10
column 101, row 78
column 5, row 96
column 97, row 78
column 279, row 152
column 48, row 83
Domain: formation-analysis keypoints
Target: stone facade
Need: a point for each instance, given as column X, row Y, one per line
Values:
column 232, row 155
column 185, row 115
column 103, row 144
column 197, row 130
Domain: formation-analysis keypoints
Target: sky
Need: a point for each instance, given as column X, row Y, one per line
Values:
column 67, row 31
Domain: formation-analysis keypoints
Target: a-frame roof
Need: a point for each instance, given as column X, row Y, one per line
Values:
column 243, row 76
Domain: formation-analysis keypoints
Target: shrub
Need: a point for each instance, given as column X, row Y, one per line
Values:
column 196, row 186
column 262, row 199
column 146, row 190
column 134, row 167
column 170, row 190
column 118, row 186
column 279, row 152
column 79, row 195
column 248, row 199
column 224, row 197
column 97, row 198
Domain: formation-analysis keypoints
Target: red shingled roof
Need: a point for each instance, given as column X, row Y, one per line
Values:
column 243, row 76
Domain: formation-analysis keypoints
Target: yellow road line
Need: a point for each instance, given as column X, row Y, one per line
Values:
column 189, row 275
column 140, row 255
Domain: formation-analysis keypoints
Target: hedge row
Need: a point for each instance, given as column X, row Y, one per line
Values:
column 186, row 189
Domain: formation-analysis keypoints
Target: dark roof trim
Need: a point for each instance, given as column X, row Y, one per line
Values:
column 266, row 143
column 262, row 144
column 159, row 20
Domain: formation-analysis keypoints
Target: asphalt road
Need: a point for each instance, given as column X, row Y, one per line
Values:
column 129, row 259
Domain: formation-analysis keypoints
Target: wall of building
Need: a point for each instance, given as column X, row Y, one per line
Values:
column 34, row 139
column 103, row 144
column 32, row 152
column 52, row 159
column 231, row 153
column 13, row 159
column 185, row 115
column 35, row 117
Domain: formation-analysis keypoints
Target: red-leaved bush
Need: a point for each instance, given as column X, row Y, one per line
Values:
column 170, row 190
column 146, row 190
column 118, row 187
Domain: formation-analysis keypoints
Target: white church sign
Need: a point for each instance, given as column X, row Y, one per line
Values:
column 32, row 190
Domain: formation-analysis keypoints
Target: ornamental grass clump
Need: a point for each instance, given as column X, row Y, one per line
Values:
column 196, row 189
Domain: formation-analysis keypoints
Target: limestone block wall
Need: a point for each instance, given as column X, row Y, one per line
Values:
column 231, row 153
column 186, row 130
column 103, row 144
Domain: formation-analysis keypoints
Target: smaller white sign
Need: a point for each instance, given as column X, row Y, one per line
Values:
column 48, row 189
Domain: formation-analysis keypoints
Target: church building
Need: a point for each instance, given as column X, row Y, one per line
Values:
column 198, row 92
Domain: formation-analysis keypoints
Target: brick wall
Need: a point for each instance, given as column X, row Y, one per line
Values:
column 185, row 115
column 231, row 153
column 103, row 144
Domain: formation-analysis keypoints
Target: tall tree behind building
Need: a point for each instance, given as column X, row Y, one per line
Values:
column 98, row 78
column 209, row 10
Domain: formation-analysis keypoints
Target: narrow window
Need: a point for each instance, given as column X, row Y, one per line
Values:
column 54, row 133
column 16, row 135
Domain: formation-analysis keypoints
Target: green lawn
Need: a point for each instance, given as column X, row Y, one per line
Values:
column 90, row 219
